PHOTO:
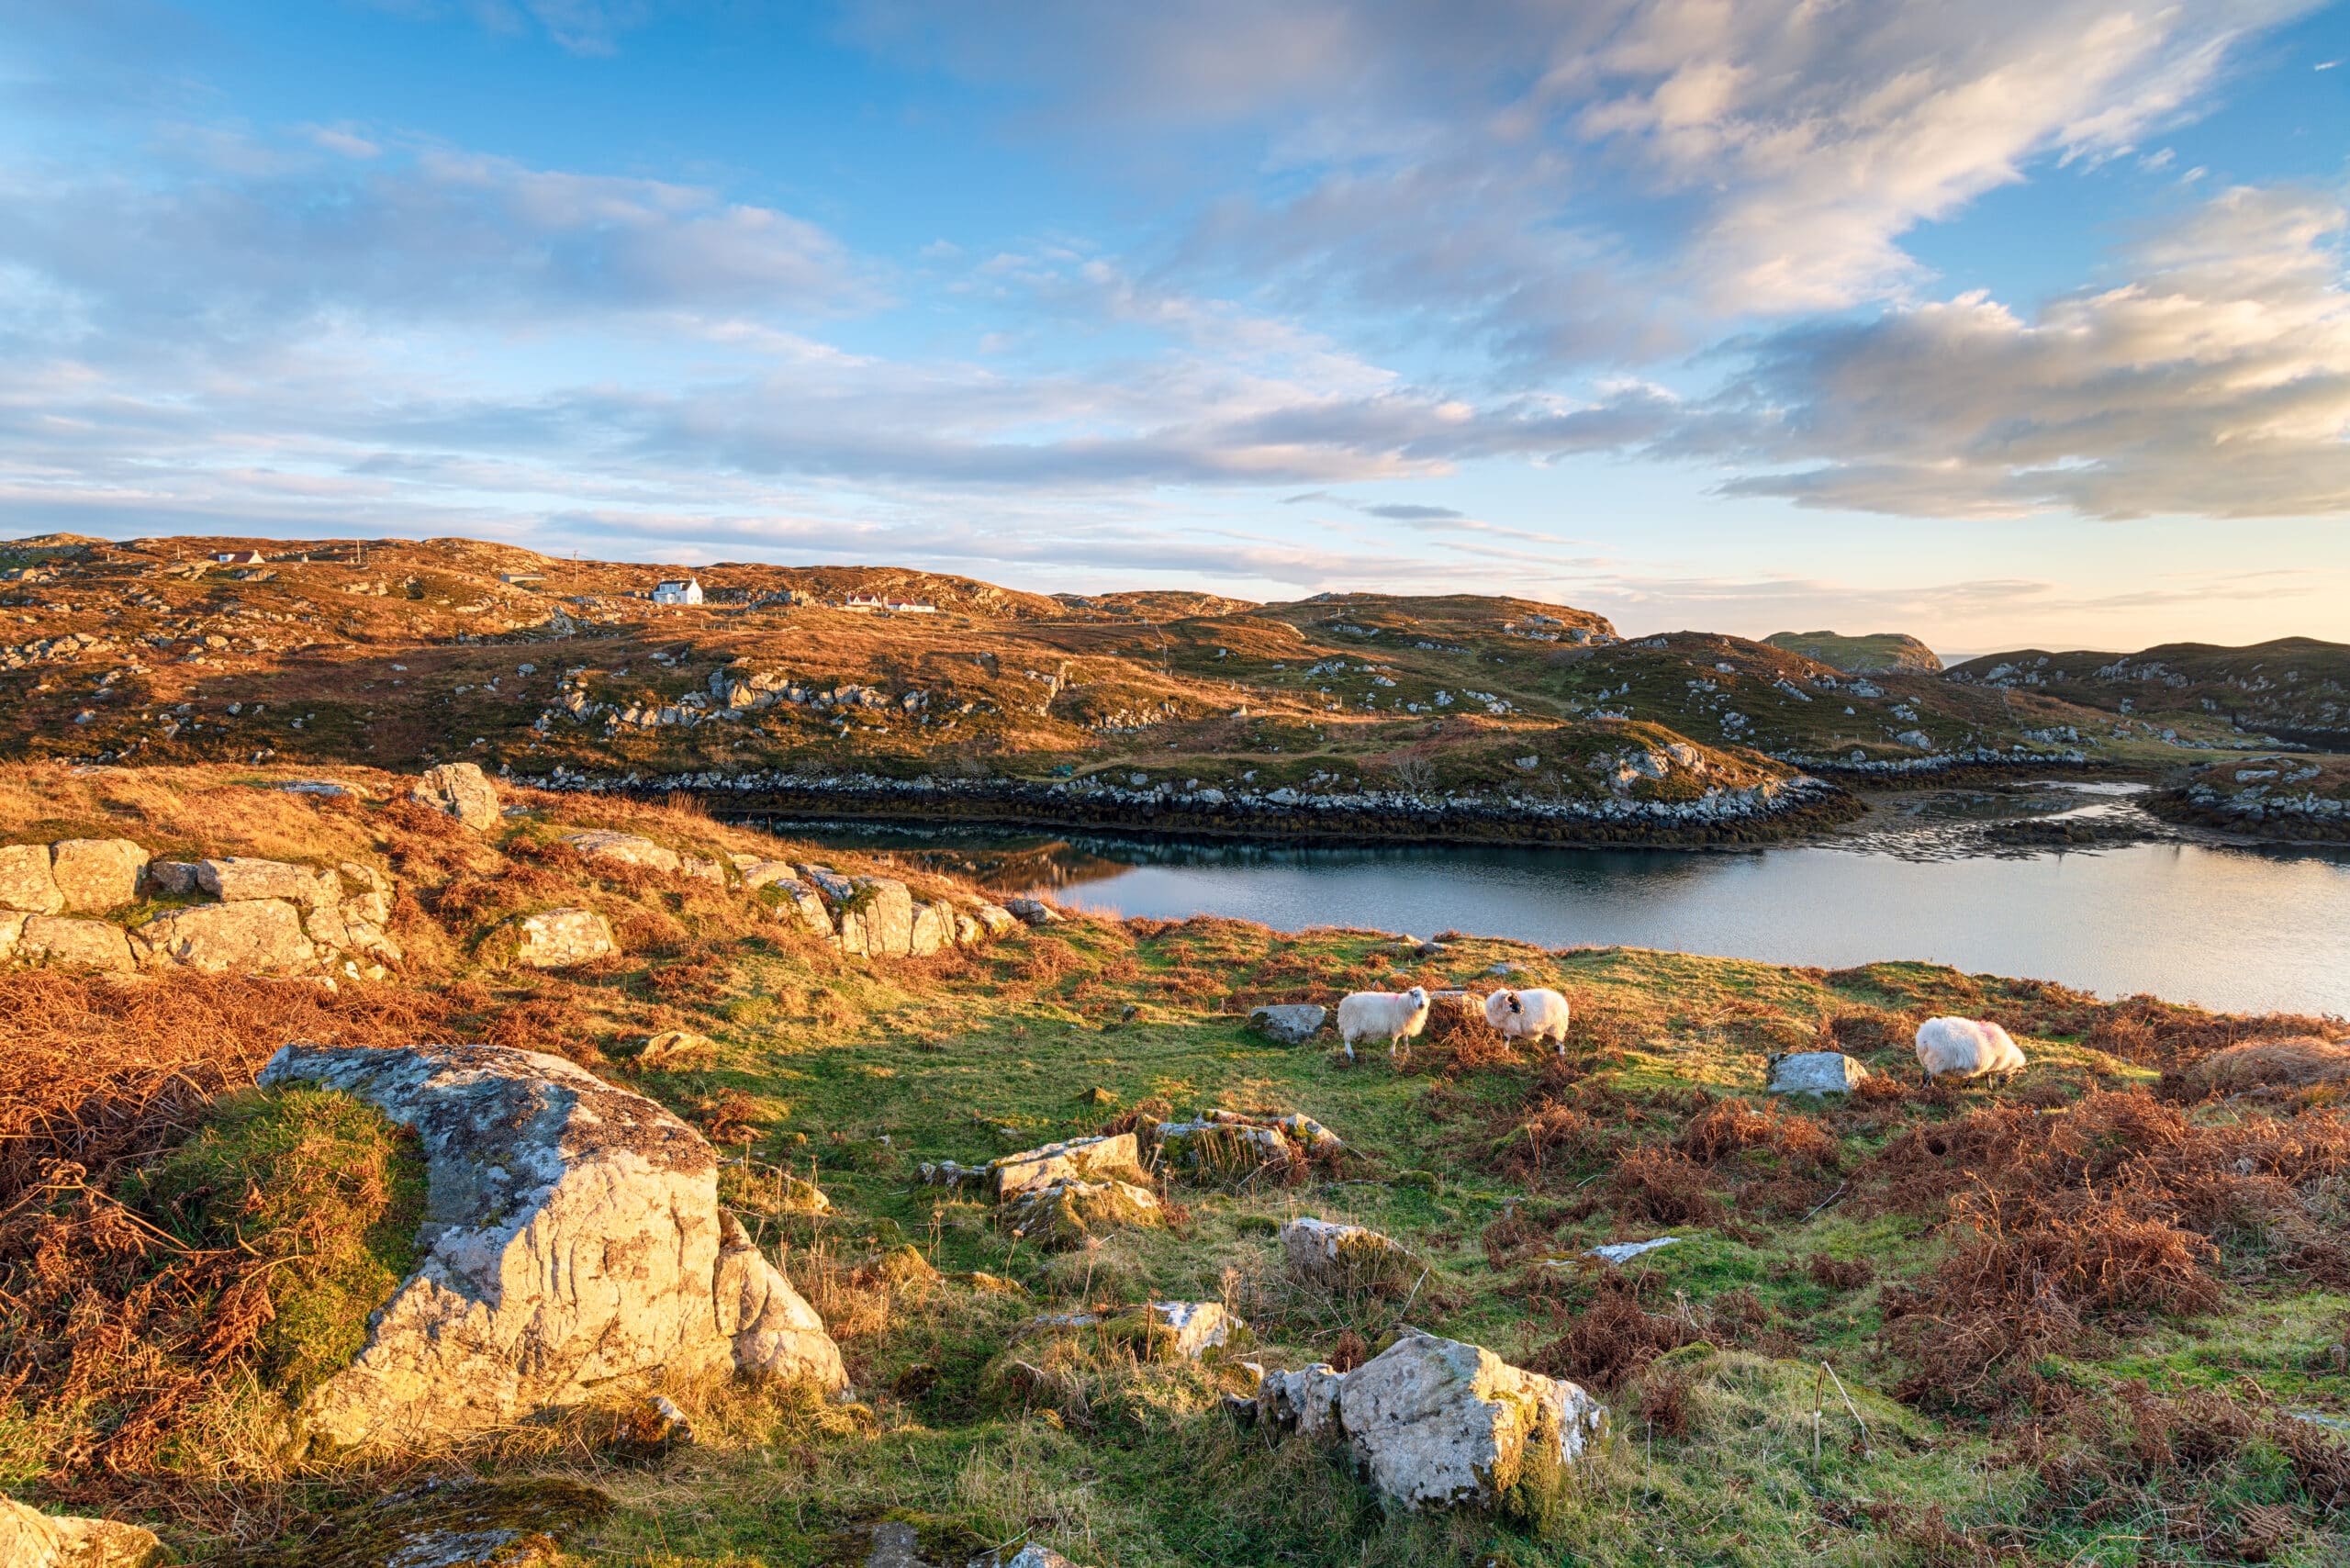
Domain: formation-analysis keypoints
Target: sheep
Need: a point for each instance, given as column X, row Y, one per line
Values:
column 1965, row 1048
column 1536, row 1015
column 1393, row 1016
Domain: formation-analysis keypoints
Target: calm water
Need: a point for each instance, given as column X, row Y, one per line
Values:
column 2230, row 928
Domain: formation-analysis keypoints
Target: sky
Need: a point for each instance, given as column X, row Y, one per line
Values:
column 2018, row 323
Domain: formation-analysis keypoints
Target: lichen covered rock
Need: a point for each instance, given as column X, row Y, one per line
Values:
column 1437, row 1423
column 572, row 1237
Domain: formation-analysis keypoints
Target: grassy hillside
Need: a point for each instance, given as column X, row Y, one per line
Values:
column 396, row 654
column 2079, row 1316
column 1875, row 653
column 2294, row 687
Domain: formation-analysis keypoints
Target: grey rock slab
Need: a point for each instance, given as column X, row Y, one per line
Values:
column 25, row 882
column 559, row 938
column 250, row 937
column 238, row 878
column 572, row 1237
column 94, row 874
column 1816, row 1072
column 625, row 849
column 462, row 790
column 1292, row 1024
column 74, row 943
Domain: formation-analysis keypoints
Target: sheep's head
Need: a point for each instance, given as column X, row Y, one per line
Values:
column 1417, row 996
column 1500, row 1005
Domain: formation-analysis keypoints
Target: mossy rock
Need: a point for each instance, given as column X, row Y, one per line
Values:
column 322, row 1188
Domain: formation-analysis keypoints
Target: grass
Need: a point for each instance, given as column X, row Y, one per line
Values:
column 1852, row 1234
column 324, row 1191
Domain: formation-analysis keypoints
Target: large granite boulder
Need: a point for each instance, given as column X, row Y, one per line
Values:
column 625, row 849
column 462, row 790
column 31, row 1539
column 1437, row 1423
column 559, row 938
column 1816, row 1072
column 572, row 1237
column 1292, row 1024
column 246, row 937
column 74, row 943
column 94, row 874
column 25, row 882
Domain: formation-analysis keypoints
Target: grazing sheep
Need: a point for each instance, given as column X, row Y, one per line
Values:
column 1390, row 1015
column 1965, row 1048
column 1536, row 1015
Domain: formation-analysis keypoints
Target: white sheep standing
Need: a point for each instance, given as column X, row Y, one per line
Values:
column 1536, row 1015
column 1966, row 1049
column 1391, row 1015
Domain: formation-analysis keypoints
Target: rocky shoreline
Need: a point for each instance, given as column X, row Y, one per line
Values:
column 1765, row 814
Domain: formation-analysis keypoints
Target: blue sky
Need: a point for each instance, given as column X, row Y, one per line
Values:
column 2007, row 324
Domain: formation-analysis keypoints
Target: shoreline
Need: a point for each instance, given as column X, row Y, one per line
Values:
column 1747, row 819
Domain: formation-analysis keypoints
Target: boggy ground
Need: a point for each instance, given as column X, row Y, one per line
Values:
column 2081, row 1317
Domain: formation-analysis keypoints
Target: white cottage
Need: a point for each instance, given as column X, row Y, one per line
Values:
column 686, row 592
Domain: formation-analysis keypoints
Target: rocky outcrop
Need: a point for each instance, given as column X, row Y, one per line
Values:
column 560, row 938
column 94, row 874
column 625, row 849
column 25, row 882
column 1816, row 1072
column 31, row 1539
column 1233, row 1143
column 1092, row 1159
column 1292, row 1024
column 74, row 943
column 269, row 917
column 1437, row 1423
column 462, row 790
column 1062, row 1194
column 255, row 936
column 572, row 1237
column 877, row 919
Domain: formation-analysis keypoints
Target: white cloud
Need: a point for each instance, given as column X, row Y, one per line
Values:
column 2216, row 382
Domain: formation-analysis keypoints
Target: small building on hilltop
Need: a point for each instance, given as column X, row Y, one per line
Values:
column 688, row 591
column 238, row 557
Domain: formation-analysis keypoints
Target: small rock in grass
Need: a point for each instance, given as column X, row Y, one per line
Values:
column 1816, row 1072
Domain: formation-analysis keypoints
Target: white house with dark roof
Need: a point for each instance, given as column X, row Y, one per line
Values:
column 688, row 591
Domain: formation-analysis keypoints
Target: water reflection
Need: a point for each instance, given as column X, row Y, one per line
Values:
column 2227, row 927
